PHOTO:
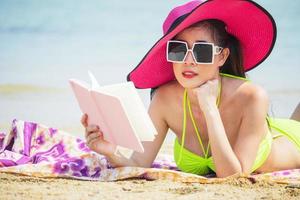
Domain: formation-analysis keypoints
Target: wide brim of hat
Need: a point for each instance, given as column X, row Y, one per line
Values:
column 250, row 23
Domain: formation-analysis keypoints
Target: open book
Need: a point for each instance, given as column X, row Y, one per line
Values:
column 118, row 110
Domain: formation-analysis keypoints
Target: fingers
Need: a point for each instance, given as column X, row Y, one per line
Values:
column 92, row 132
column 94, row 141
column 84, row 120
column 93, row 136
column 92, row 128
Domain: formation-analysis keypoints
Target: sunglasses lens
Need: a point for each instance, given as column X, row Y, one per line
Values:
column 176, row 51
column 203, row 53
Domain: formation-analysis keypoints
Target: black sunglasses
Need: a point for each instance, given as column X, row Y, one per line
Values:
column 203, row 52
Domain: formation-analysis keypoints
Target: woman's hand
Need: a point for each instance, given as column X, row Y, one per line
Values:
column 94, row 138
column 207, row 94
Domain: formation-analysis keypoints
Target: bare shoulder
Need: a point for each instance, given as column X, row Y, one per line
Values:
column 253, row 97
column 245, row 94
column 251, row 92
column 162, row 100
column 166, row 94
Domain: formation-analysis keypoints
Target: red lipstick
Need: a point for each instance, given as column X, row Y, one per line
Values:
column 189, row 74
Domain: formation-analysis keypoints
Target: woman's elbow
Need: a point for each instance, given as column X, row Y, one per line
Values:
column 142, row 163
column 229, row 172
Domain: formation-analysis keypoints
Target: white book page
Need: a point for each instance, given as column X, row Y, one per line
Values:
column 95, row 84
column 127, row 153
column 82, row 83
column 134, row 108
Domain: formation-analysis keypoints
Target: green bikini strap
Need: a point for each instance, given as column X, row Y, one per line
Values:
column 197, row 130
column 184, row 125
column 194, row 123
column 187, row 101
column 233, row 76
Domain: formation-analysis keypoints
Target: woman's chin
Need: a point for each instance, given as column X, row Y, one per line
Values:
column 192, row 85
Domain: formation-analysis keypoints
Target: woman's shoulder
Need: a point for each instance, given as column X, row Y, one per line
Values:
column 252, row 91
column 167, row 91
column 164, row 99
column 167, row 95
column 248, row 92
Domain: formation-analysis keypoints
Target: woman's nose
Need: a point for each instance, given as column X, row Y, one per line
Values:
column 189, row 60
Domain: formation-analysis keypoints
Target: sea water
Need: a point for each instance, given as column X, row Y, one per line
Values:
column 44, row 43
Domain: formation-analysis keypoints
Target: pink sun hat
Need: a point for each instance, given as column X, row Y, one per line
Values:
column 250, row 23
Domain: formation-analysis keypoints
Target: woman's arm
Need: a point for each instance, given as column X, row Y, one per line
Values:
column 241, row 157
column 156, row 110
column 225, row 160
column 253, row 127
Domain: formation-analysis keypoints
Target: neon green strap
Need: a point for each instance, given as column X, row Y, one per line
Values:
column 233, row 76
column 187, row 101
column 183, row 126
column 197, row 132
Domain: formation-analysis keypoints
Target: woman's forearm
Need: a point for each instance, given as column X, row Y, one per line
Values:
column 225, row 160
column 118, row 160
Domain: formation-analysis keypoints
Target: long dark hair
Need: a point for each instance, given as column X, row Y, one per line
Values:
column 234, row 63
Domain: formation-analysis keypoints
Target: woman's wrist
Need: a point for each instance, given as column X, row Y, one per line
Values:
column 117, row 159
column 210, row 109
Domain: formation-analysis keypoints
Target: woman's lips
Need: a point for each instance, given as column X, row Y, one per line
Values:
column 189, row 74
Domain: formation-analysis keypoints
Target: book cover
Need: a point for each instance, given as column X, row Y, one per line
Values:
column 118, row 110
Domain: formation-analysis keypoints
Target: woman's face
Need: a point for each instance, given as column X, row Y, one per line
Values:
column 190, row 74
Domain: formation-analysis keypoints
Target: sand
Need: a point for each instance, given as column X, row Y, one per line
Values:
column 13, row 186
column 24, row 187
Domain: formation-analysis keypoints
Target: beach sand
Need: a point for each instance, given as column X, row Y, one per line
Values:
column 24, row 187
column 13, row 186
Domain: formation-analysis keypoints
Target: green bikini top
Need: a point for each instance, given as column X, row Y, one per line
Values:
column 190, row 162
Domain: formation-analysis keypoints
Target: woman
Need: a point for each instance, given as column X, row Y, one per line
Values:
column 219, row 117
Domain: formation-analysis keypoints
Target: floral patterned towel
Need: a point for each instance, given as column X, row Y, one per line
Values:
column 36, row 150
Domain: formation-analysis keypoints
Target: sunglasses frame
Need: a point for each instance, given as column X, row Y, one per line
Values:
column 216, row 50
